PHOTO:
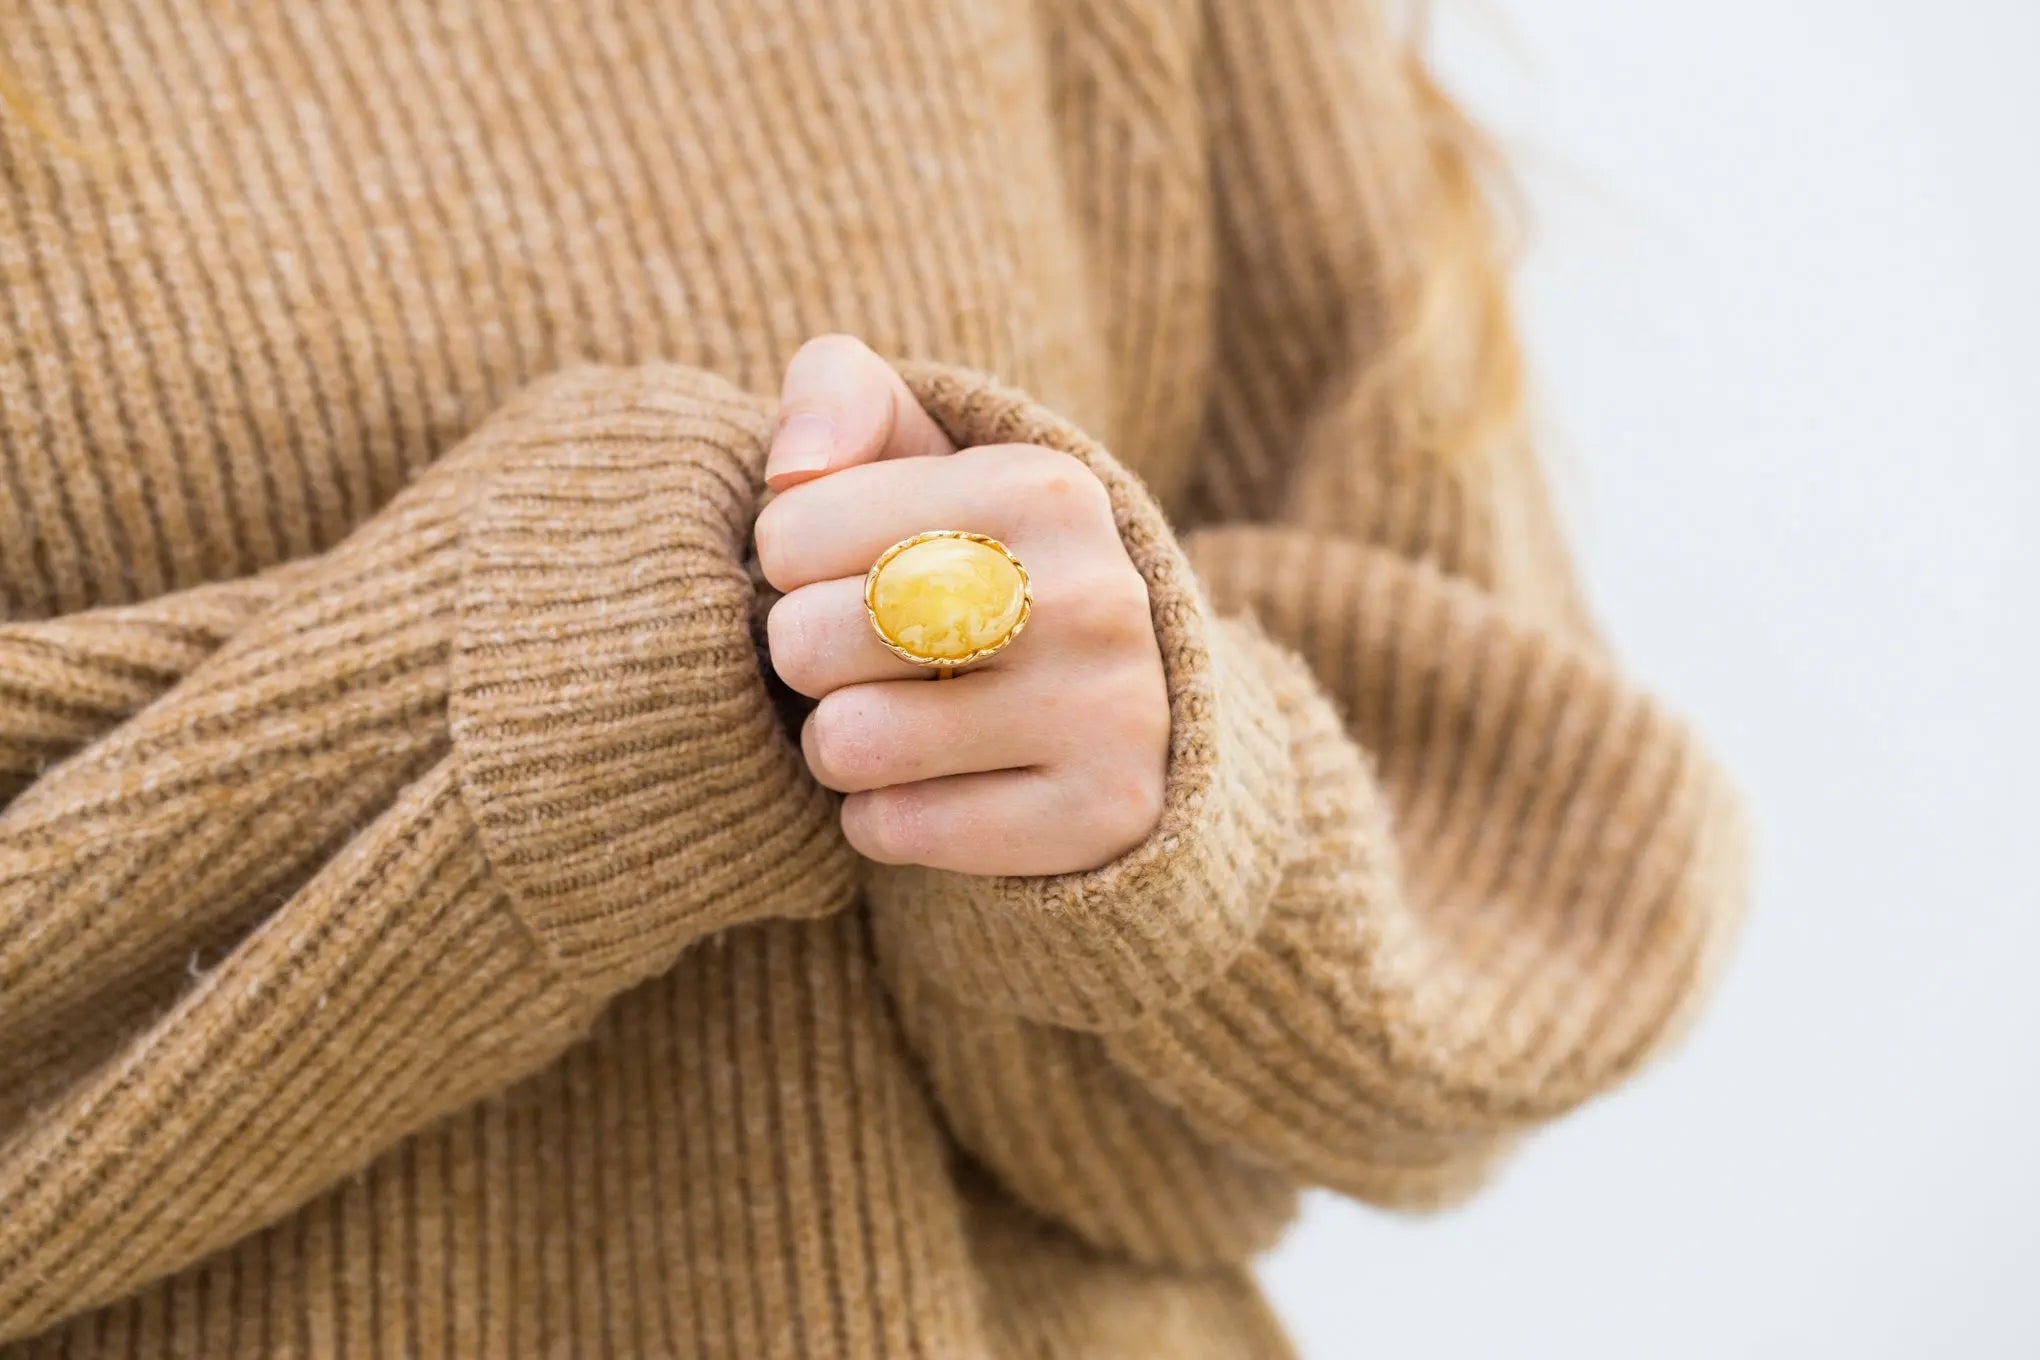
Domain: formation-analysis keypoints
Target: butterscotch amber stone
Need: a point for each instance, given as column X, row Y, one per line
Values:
column 943, row 599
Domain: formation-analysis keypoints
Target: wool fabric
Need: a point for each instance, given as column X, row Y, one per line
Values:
column 419, row 935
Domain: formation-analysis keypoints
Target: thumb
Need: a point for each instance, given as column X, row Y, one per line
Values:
column 841, row 405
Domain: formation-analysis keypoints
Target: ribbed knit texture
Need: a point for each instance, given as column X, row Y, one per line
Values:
column 418, row 934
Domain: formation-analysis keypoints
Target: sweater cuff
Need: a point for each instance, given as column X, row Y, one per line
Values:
column 1103, row 949
column 618, row 749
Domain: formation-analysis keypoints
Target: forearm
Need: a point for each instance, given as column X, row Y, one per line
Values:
column 1498, row 918
column 397, row 839
column 69, row 680
column 1364, row 954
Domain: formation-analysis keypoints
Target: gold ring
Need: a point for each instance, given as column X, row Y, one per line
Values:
column 947, row 598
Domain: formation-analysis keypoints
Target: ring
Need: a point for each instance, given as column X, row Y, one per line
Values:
column 947, row 598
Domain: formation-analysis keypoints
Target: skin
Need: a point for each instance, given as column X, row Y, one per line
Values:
column 1049, row 757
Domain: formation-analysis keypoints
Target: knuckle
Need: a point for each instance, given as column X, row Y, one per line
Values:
column 1123, row 599
column 1140, row 696
column 1129, row 805
column 1062, row 488
column 1043, row 462
column 1107, row 608
column 1134, row 702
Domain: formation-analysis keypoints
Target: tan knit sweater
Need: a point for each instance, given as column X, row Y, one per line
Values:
column 418, row 936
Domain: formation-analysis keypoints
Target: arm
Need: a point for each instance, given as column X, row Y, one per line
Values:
column 69, row 680
column 1431, row 872
column 1366, row 963
column 430, row 801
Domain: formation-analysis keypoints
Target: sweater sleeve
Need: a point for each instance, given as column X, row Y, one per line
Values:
column 1429, row 872
column 1515, row 874
column 68, row 680
column 301, row 864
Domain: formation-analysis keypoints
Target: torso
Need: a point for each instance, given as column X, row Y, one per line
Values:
column 321, row 242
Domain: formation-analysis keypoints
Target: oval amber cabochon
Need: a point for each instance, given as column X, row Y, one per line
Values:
column 943, row 599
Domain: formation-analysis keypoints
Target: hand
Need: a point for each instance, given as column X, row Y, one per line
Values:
column 1048, row 757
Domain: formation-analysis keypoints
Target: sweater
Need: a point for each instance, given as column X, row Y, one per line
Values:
column 419, row 935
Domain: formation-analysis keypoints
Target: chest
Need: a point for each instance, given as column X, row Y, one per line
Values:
column 308, row 246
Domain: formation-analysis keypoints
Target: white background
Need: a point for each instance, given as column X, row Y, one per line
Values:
column 1783, row 297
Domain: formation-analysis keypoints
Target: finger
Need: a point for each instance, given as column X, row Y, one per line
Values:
column 820, row 639
column 904, row 731
column 1028, row 497
column 1007, row 822
column 841, row 405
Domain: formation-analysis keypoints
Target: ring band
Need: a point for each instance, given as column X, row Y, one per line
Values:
column 947, row 598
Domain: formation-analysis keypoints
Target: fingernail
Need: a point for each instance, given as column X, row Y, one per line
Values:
column 801, row 445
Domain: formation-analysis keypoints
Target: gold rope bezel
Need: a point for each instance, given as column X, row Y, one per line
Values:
column 946, row 664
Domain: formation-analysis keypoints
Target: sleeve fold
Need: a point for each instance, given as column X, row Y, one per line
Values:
column 341, row 851
column 1430, row 874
